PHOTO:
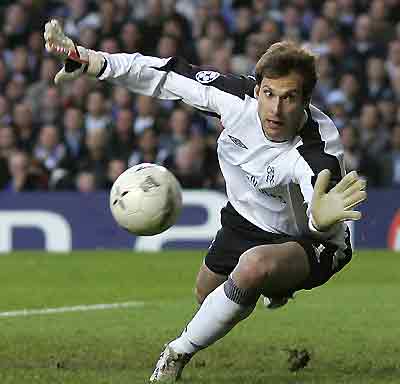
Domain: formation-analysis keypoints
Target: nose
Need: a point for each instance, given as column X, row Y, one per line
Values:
column 276, row 105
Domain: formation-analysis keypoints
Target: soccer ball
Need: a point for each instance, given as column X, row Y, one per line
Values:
column 146, row 199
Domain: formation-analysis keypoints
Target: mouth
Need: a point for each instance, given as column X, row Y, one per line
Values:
column 274, row 124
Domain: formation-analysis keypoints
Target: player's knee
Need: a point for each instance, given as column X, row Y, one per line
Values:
column 257, row 267
column 200, row 294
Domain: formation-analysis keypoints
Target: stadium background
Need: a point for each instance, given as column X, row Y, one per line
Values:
column 62, row 147
column 80, row 136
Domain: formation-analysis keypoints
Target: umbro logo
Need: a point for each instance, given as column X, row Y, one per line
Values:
column 237, row 142
column 270, row 175
column 206, row 77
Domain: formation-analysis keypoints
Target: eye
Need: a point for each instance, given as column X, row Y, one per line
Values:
column 267, row 93
column 290, row 97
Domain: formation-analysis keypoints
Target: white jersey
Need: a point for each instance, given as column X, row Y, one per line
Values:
column 269, row 183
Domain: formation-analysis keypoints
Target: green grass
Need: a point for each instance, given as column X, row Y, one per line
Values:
column 351, row 326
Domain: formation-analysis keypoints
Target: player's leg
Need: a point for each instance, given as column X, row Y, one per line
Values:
column 269, row 269
column 206, row 282
column 274, row 269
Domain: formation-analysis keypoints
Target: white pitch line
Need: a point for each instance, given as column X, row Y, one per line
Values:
column 77, row 308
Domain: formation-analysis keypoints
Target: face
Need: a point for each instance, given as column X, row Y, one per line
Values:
column 281, row 106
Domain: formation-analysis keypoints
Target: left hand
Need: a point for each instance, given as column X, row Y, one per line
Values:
column 329, row 208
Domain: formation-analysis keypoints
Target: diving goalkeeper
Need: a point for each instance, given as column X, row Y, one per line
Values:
column 283, row 229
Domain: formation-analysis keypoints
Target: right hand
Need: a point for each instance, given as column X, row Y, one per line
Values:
column 77, row 60
column 329, row 208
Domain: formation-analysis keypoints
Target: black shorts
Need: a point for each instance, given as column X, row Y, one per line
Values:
column 237, row 235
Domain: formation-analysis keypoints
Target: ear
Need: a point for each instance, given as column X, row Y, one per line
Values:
column 256, row 91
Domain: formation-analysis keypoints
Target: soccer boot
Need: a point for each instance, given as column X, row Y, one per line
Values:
column 275, row 302
column 169, row 366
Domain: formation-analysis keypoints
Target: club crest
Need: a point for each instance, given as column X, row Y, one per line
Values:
column 206, row 77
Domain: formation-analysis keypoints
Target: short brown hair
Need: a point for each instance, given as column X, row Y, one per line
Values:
column 284, row 57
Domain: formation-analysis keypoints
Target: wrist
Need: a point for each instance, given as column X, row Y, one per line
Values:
column 95, row 60
column 322, row 232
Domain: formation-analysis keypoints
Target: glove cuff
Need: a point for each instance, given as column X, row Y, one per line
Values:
column 95, row 59
column 326, row 234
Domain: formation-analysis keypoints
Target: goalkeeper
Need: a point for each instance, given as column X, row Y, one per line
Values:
column 283, row 228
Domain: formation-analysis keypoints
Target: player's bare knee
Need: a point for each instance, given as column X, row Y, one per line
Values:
column 256, row 266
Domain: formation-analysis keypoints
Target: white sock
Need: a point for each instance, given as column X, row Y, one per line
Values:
column 216, row 317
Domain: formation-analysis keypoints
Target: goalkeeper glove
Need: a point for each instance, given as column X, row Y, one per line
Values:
column 329, row 208
column 77, row 59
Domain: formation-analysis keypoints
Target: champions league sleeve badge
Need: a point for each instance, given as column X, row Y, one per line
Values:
column 205, row 77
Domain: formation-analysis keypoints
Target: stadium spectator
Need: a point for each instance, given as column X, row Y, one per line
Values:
column 146, row 114
column 109, row 45
column 74, row 135
column 291, row 24
column 15, row 25
column 192, row 165
column 95, row 158
column 114, row 168
column 222, row 60
column 243, row 28
column 23, row 175
column 121, row 98
column 20, row 64
column 387, row 111
column 335, row 103
column 15, row 89
column 374, row 139
column 5, row 116
column 50, row 106
column 35, row 92
column 395, row 83
column 86, row 181
column 363, row 44
column 351, row 90
column 77, row 93
column 110, row 24
column 49, row 150
column 205, row 49
column 167, row 46
column 97, row 117
column 352, row 151
column 88, row 37
column 390, row 162
column 217, row 31
column 148, row 149
column 393, row 58
column 131, row 38
column 378, row 86
column 8, row 145
column 318, row 41
column 244, row 64
column 77, row 16
column 359, row 45
column 24, row 125
column 3, row 75
column 179, row 130
column 122, row 138
column 325, row 83
column 382, row 30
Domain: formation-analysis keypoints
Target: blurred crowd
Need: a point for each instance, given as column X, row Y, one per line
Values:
column 82, row 135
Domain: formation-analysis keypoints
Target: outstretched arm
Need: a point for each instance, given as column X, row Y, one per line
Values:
column 171, row 78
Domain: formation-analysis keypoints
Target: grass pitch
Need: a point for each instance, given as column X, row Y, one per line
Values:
column 350, row 326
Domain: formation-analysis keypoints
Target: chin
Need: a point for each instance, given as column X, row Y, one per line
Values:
column 275, row 136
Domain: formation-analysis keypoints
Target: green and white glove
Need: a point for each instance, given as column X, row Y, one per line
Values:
column 77, row 59
column 330, row 208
